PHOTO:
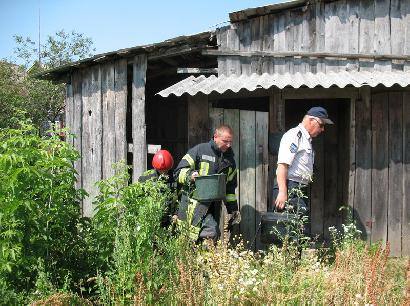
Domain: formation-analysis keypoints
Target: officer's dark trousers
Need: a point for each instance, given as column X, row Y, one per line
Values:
column 299, row 204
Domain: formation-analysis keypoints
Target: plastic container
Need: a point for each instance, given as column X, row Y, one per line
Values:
column 210, row 187
column 274, row 225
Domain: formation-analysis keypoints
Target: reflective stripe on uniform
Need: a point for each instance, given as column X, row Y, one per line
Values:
column 230, row 197
column 183, row 175
column 189, row 159
column 192, row 231
column 231, row 174
column 204, row 168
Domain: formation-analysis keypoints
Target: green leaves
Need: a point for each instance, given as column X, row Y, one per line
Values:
column 39, row 206
column 22, row 95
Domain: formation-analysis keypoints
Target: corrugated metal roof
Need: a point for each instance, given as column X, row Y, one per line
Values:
column 194, row 85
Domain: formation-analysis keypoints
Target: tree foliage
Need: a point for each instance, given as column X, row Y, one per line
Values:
column 12, row 93
column 60, row 49
column 22, row 93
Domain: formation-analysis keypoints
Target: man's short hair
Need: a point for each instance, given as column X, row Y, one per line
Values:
column 223, row 128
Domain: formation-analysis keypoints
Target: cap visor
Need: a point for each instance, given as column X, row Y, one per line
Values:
column 327, row 120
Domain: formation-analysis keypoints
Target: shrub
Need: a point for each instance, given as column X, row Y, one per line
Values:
column 40, row 210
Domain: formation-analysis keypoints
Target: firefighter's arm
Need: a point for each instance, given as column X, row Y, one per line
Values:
column 186, row 168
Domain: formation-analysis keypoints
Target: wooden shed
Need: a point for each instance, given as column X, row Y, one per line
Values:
column 350, row 56
column 112, row 110
column 273, row 63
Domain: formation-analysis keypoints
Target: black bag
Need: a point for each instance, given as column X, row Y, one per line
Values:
column 275, row 225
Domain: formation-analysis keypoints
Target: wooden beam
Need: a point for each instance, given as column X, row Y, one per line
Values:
column 173, row 52
column 198, row 70
column 138, row 116
column 362, row 56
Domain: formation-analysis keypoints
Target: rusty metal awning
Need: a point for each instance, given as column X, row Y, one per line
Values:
column 206, row 85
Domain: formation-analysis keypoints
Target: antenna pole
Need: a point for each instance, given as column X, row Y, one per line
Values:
column 39, row 45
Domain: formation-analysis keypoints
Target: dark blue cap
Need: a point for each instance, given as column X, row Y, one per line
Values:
column 320, row 112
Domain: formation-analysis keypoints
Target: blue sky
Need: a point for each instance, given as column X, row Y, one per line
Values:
column 114, row 24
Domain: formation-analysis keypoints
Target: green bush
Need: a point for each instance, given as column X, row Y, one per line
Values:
column 137, row 254
column 40, row 212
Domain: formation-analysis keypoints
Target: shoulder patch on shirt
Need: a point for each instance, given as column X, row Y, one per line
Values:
column 293, row 148
column 207, row 157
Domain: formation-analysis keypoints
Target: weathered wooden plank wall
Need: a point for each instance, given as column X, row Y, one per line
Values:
column 247, row 162
column 138, row 116
column 345, row 26
column 91, row 136
column 120, row 118
column 261, row 171
column 230, row 117
column 379, row 166
column 114, row 103
column 381, row 180
column 395, row 175
column 405, row 238
column 198, row 120
column 96, row 114
column 69, row 111
column 250, row 146
column 77, row 122
column 108, row 119
column 363, row 169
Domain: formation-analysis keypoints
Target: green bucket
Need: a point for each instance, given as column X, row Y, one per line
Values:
column 210, row 187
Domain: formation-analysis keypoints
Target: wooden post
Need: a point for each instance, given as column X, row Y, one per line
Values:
column 380, row 164
column 363, row 168
column 247, row 128
column 138, row 116
column 352, row 152
column 395, row 175
column 405, row 239
column 276, row 124
column 120, row 87
column 261, row 171
column 108, row 110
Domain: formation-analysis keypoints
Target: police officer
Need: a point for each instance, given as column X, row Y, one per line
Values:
column 213, row 157
column 295, row 160
column 162, row 163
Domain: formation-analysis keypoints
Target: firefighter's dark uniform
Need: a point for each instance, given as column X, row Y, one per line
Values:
column 206, row 159
column 170, row 203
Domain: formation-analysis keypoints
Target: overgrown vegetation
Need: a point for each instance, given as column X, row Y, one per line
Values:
column 50, row 255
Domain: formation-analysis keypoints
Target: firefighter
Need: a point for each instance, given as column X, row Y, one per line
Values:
column 213, row 157
column 162, row 163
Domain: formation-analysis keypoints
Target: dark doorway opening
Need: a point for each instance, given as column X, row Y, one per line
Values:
column 329, row 189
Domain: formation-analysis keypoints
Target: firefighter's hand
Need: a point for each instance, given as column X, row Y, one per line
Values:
column 280, row 200
column 194, row 175
column 235, row 218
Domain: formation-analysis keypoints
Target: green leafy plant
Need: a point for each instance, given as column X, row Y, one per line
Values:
column 129, row 239
column 40, row 210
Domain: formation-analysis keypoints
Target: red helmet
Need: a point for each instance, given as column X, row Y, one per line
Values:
column 162, row 160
